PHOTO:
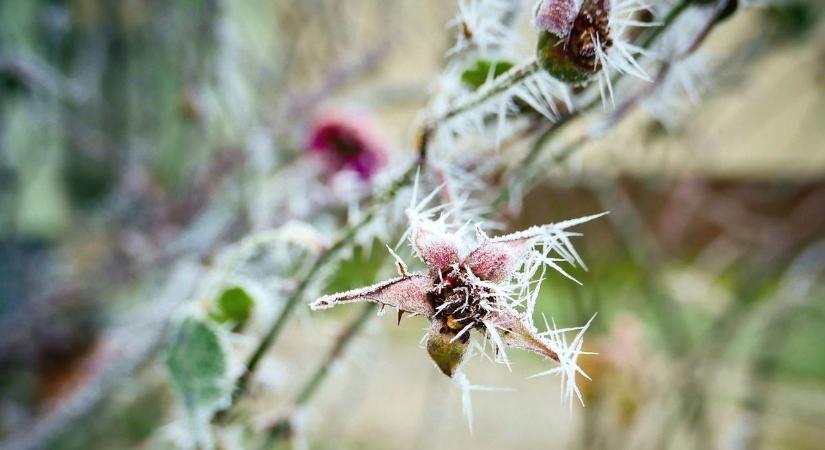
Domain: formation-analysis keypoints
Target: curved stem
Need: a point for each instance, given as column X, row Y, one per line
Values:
column 671, row 17
column 496, row 87
column 274, row 331
column 541, row 142
column 311, row 387
column 500, row 84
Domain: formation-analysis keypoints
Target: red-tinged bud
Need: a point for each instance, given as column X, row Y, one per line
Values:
column 438, row 249
column 556, row 16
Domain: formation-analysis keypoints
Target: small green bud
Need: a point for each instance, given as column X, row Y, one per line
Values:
column 446, row 353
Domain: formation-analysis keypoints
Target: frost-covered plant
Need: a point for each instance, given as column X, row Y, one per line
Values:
column 477, row 292
column 681, row 91
column 489, row 286
column 582, row 39
column 307, row 199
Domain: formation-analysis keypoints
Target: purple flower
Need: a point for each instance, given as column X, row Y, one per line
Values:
column 347, row 141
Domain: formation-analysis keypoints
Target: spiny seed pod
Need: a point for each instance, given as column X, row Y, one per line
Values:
column 570, row 49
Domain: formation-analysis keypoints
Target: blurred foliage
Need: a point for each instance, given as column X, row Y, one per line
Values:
column 234, row 305
column 198, row 365
column 125, row 420
column 483, row 70
column 793, row 19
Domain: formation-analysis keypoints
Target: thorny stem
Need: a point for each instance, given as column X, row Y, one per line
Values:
column 296, row 296
column 720, row 14
column 499, row 85
column 671, row 17
column 541, row 142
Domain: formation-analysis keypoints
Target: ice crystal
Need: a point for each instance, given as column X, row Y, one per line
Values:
column 480, row 25
column 467, row 389
column 681, row 91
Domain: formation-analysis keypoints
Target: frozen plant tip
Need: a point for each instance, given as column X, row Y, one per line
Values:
column 491, row 289
column 580, row 39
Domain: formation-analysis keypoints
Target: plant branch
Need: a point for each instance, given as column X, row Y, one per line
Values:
column 565, row 120
column 490, row 90
column 498, row 86
column 296, row 296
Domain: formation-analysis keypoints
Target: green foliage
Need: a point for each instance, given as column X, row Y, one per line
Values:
column 125, row 420
column 234, row 305
column 794, row 19
column 88, row 178
column 476, row 75
column 197, row 364
column 802, row 353
column 359, row 270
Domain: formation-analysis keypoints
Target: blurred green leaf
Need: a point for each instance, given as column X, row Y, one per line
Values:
column 793, row 19
column 197, row 364
column 476, row 75
column 234, row 305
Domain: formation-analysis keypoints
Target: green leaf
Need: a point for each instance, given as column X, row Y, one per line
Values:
column 476, row 75
column 234, row 305
column 197, row 364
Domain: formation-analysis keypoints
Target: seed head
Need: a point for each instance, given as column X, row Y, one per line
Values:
column 490, row 290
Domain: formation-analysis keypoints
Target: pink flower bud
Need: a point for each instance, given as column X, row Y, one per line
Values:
column 556, row 16
column 439, row 250
column 497, row 260
column 347, row 140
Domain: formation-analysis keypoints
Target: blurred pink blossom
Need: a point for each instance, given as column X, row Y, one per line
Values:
column 347, row 140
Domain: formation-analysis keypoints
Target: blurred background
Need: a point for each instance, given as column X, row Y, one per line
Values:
column 141, row 139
